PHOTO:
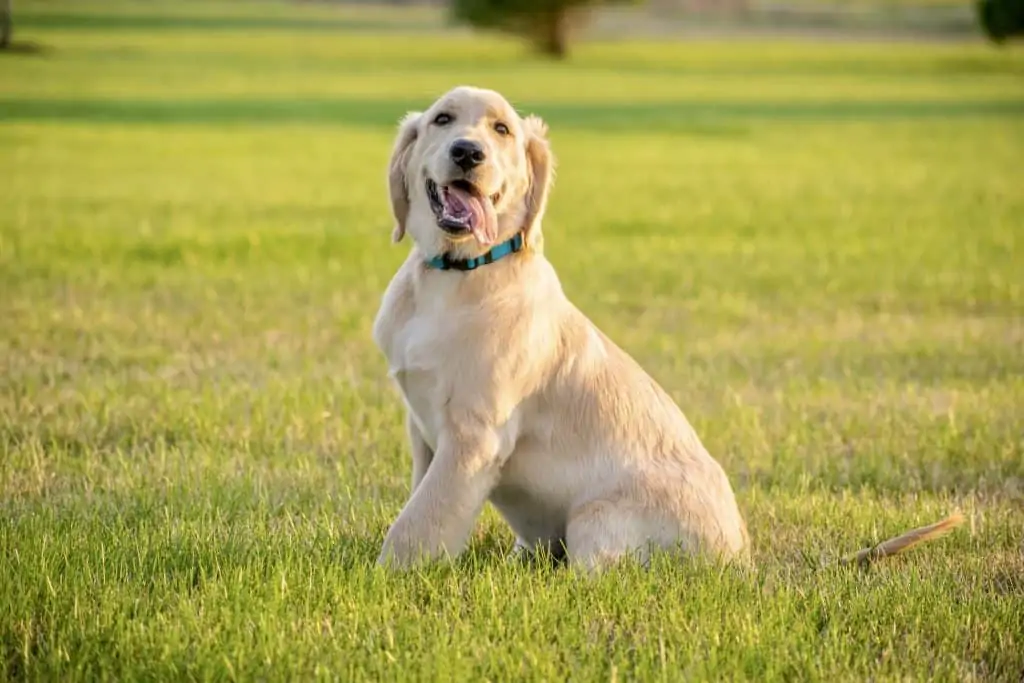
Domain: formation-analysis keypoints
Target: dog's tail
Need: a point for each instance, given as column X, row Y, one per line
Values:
column 904, row 542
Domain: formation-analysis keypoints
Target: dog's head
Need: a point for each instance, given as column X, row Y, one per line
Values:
column 469, row 173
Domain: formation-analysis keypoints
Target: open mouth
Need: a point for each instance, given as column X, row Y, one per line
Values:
column 462, row 210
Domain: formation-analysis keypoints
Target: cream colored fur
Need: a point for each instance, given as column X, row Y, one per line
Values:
column 513, row 395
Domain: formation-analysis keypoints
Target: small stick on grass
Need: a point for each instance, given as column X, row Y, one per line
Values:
column 904, row 542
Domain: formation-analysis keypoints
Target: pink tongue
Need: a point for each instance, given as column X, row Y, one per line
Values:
column 483, row 222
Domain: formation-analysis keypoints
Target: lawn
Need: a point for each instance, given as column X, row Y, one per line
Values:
column 816, row 249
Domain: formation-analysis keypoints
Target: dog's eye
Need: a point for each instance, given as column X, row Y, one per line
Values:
column 443, row 119
column 501, row 128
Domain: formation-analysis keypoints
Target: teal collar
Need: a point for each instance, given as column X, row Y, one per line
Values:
column 445, row 262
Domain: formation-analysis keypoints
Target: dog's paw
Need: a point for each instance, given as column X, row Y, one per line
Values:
column 403, row 548
column 394, row 555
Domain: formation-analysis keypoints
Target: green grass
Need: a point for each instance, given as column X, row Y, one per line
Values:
column 815, row 248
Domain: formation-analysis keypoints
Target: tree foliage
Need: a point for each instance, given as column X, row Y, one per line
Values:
column 1001, row 19
column 548, row 24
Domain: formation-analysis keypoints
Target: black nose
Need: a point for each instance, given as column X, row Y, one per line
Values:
column 467, row 154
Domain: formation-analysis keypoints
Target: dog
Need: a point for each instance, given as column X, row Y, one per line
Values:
column 513, row 395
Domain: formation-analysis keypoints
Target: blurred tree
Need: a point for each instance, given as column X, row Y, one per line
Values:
column 1001, row 19
column 547, row 23
column 5, row 23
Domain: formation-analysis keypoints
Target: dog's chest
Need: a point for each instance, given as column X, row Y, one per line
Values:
column 418, row 363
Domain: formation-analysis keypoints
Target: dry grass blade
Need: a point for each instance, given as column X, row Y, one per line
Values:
column 905, row 541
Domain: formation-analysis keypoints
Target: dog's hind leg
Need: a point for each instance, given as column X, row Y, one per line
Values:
column 602, row 533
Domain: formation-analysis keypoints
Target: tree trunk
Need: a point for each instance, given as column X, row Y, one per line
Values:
column 553, row 39
column 5, row 23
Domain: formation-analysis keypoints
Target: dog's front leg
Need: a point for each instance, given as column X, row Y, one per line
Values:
column 439, row 516
column 422, row 455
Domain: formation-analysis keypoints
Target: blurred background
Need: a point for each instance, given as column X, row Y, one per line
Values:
column 553, row 25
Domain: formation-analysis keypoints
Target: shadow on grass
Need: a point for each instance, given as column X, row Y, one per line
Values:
column 25, row 49
column 703, row 118
column 795, row 66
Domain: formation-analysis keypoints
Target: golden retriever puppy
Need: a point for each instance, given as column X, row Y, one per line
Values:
column 513, row 395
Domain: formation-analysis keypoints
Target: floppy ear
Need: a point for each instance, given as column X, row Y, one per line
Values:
column 397, row 185
column 541, row 163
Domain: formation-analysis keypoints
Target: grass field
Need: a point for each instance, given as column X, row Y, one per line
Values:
column 815, row 248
